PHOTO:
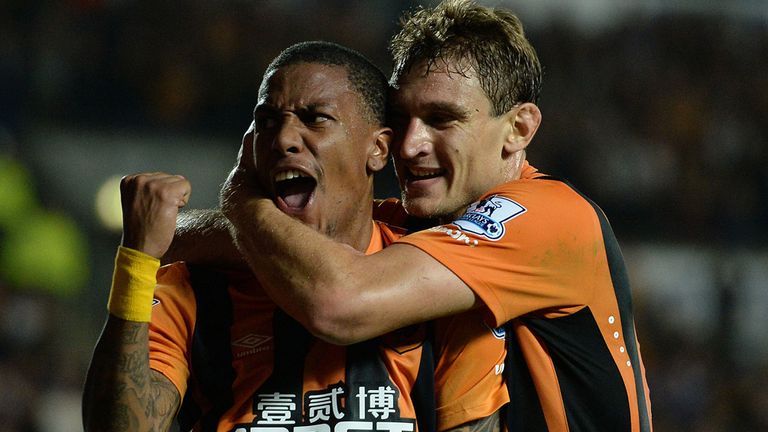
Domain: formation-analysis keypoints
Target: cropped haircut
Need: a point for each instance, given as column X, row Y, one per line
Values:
column 465, row 35
column 367, row 80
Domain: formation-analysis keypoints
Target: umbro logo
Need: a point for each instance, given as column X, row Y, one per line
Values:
column 251, row 341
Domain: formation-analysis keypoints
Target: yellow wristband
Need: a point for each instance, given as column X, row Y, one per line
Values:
column 133, row 285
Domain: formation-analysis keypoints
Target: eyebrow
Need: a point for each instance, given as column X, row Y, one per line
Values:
column 438, row 106
column 269, row 108
column 318, row 106
column 261, row 108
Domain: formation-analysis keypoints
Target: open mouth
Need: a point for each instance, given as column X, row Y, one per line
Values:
column 416, row 174
column 294, row 188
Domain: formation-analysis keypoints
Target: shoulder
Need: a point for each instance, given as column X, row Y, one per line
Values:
column 174, row 287
column 173, row 273
column 543, row 197
column 389, row 233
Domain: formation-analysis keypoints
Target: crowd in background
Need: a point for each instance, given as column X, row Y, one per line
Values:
column 661, row 118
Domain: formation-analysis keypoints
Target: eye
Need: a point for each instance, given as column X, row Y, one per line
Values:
column 313, row 118
column 264, row 122
column 440, row 120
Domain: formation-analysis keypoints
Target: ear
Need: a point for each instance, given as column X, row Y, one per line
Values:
column 525, row 120
column 378, row 152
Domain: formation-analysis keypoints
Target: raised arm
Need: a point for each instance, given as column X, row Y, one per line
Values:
column 121, row 392
column 336, row 292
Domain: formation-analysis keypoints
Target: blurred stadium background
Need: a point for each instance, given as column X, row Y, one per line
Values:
column 657, row 109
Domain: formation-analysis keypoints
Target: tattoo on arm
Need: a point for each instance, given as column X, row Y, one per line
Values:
column 164, row 400
column 121, row 392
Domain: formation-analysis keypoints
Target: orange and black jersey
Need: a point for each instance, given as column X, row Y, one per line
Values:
column 245, row 366
column 545, row 262
column 469, row 355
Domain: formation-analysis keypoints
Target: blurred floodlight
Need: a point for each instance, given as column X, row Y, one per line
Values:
column 16, row 193
column 108, row 209
column 46, row 252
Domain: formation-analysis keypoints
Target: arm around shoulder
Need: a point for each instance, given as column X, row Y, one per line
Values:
column 203, row 237
column 358, row 297
column 335, row 291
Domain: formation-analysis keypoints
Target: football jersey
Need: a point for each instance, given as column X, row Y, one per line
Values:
column 469, row 353
column 545, row 262
column 246, row 366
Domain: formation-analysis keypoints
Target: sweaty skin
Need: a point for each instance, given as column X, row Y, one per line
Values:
column 345, row 297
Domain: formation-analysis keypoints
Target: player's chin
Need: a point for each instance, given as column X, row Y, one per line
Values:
column 421, row 206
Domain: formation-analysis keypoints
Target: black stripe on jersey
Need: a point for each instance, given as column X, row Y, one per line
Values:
column 292, row 343
column 423, row 391
column 624, row 298
column 590, row 384
column 211, row 353
column 365, row 370
column 523, row 413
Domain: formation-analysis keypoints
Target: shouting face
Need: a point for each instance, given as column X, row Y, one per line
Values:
column 315, row 149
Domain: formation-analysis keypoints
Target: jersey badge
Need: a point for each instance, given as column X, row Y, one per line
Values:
column 488, row 216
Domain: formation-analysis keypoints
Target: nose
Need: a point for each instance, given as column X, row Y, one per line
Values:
column 415, row 140
column 288, row 138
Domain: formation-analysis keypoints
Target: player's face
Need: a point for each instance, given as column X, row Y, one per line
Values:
column 448, row 145
column 312, row 145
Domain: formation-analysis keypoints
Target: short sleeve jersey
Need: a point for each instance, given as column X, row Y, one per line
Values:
column 545, row 262
column 259, row 370
column 469, row 353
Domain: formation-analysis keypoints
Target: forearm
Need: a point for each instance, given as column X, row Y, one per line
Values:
column 335, row 291
column 203, row 237
column 121, row 392
column 303, row 271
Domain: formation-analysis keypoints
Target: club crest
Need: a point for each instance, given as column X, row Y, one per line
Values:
column 487, row 216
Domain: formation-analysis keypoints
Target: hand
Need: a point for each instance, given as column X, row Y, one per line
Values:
column 241, row 184
column 151, row 203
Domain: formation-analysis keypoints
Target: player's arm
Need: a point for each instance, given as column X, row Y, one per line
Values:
column 203, row 237
column 336, row 292
column 121, row 392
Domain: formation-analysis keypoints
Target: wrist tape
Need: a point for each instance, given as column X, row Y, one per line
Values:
column 133, row 285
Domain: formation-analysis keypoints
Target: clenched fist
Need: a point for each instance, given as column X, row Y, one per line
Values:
column 151, row 202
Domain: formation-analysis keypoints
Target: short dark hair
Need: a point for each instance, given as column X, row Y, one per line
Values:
column 490, row 41
column 366, row 78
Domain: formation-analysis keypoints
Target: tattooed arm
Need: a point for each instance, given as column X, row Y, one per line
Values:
column 492, row 423
column 121, row 392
